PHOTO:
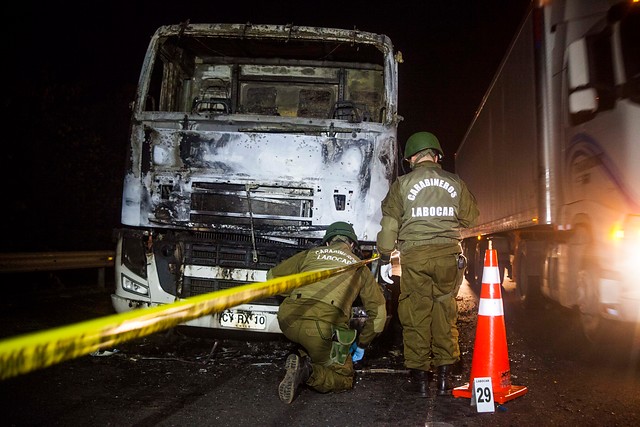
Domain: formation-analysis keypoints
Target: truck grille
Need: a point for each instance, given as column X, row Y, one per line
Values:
column 237, row 204
column 198, row 286
column 232, row 251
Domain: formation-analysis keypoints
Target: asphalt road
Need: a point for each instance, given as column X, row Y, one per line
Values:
column 171, row 379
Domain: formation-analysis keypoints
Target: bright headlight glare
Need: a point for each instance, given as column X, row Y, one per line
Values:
column 133, row 286
column 616, row 234
column 631, row 230
column 631, row 241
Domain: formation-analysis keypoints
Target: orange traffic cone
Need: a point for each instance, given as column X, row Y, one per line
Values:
column 490, row 357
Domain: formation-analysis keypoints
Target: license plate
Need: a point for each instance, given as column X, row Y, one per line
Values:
column 243, row 319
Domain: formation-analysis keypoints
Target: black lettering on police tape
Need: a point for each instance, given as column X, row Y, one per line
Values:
column 66, row 348
column 39, row 356
column 12, row 364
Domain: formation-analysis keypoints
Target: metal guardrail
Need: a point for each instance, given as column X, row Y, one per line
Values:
column 50, row 261
column 26, row 262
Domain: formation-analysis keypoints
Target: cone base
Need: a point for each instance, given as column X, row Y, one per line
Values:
column 462, row 391
column 498, row 396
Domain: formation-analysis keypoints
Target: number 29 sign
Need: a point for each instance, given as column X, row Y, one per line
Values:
column 483, row 394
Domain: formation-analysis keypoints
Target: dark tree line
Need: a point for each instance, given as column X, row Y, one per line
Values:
column 64, row 164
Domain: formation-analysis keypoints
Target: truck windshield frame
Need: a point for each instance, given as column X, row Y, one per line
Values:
column 331, row 78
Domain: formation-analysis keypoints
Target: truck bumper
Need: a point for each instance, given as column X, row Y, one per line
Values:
column 620, row 300
column 245, row 317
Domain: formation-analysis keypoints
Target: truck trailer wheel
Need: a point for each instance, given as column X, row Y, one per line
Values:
column 589, row 301
column 469, row 250
column 527, row 282
column 477, row 261
column 501, row 245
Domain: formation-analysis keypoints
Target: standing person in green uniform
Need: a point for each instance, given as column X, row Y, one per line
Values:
column 316, row 316
column 421, row 217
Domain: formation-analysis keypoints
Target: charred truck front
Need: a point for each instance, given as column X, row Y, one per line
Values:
column 247, row 141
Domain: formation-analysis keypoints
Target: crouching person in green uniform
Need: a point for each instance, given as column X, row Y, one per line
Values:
column 316, row 316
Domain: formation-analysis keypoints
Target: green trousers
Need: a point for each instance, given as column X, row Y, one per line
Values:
column 298, row 322
column 427, row 308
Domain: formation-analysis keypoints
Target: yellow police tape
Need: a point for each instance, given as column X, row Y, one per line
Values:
column 37, row 350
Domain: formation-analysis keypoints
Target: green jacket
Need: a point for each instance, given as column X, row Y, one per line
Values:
column 336, row 294
column 426, row 206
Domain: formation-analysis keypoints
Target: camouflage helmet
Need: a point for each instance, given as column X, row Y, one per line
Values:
column 340, row 228
column 421, row 141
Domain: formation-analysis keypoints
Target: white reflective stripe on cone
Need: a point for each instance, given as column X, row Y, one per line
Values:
column 490, row 307
column 490, row 275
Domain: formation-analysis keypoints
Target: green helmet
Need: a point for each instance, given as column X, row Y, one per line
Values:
column 340, row 228
column 421, row 141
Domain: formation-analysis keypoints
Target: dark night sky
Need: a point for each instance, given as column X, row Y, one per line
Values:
column 73, row 68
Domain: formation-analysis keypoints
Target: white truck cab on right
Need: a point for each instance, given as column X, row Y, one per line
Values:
column 553, row 157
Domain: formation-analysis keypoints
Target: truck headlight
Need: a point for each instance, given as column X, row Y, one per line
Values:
column 132, row 286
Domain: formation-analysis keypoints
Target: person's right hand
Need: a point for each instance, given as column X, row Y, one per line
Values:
column 384, row 269
column 357, row 353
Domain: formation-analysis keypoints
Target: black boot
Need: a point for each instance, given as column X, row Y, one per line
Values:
column 443, row 380
column 418, row 383
column 299, row 370
column 457, row 370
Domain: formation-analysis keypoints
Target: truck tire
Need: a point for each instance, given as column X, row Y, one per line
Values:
column 501, row 245
column 588, row 300
column 527, row 281
column 469, row 251
column 478, row 265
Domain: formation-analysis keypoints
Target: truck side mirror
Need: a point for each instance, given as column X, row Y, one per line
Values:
column 583, row 99
column 578, row 64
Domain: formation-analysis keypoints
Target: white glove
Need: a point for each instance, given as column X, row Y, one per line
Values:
column 385, row 273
